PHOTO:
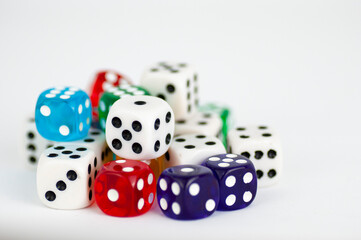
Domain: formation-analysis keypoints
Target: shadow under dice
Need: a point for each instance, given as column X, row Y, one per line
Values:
column 65, row 176
column 125, row 188
column 262, row 146
column 140, row 127
column 237, row 180
column 176, row 83
column 187, row 192
column 63, row 114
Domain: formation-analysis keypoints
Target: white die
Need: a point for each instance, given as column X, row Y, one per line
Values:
column 95, row 141
column 33, row 144
column 194, row 149
column 262, row 146
column 140, row 127
column 176, row 83
column 200, row 123
column 65, row 176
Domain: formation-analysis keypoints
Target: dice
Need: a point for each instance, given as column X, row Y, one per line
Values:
column 95, row 141
column 140, row 127
column 125, row 188
column 65, row 176
column 237, row 180
column 34, row 143
column 193, row 149
column 200, row 123
column 104, row 80
column 176, row 83
column 262, row 146
column 187, row 192
column 113, row 94
column 63, row 114
column 224, row 113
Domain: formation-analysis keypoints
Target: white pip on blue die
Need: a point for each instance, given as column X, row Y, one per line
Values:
column 200, row 123
column 262, row 145
column 176, row 83
column 65, row 176
column 33, row 144
column 193, row 149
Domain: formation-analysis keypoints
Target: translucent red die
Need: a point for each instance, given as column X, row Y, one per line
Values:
column 125, row 188
column 102, row 81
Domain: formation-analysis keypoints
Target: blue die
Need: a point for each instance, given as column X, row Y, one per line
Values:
column 187, row 192
column 63, row 114
column 237, row 180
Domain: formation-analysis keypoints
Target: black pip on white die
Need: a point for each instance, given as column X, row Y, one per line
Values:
column 140, row 127
column 262, row 146
column 176, row 83
column 65, row 176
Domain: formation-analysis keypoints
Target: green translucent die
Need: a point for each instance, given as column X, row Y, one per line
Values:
column 225, row 114
column 113, row 94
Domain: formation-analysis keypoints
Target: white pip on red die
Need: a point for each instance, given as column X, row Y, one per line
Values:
column 33, row 144
column 193, row 149
column 200, row 123
column 262, row 146
column 65, row 176
column 140, row 127
column 176, row 83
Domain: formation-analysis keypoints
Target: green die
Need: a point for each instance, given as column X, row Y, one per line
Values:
column 225, row 114
column 113, row 94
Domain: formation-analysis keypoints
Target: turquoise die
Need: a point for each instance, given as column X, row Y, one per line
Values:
column 63, row 114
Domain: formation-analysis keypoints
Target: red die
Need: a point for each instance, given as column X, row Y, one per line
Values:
column 103, row 80
column 125, row 188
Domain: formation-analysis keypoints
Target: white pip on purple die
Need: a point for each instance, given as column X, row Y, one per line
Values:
column 65, row 176
column 200, row 123
column 33, row 144
column 193, row 149
column 140, row 127
column 176, row 83
column 262, row 145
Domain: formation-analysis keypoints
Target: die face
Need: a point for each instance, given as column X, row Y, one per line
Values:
column 35, row 144
column 176, row 83
column 262, row 146
column 63, row 114
column 201, row 123
column 125, row 188
column 140, row 127
column 95, row 141
column 194, row 148
column 104, row 80
column 112, row 95
column 237, row 180
column 65, row 177
column 187, row 192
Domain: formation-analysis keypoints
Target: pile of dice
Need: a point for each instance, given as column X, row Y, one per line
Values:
column 124, row 145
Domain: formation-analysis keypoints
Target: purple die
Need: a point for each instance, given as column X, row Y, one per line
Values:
column 63, row 114
column 237, row 180
column 187, row 192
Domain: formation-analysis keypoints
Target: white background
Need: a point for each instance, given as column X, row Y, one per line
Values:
column 295, row 65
